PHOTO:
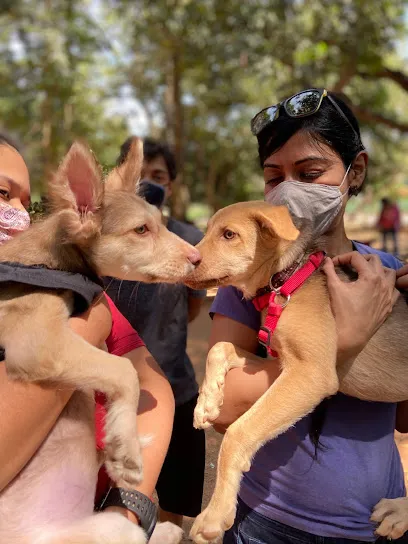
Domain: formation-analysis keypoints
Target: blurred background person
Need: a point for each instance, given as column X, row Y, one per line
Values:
column 389, row 224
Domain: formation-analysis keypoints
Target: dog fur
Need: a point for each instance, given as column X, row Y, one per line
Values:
column 98, row 229
column 244, row 246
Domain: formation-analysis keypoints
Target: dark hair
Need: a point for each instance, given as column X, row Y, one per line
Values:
column 151, row 149
column 326, row 126
column 6, row 140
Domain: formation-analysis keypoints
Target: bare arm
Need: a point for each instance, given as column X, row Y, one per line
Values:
column 194, row 307
column 155, row 415
column 29, row 411
column 402, row 278
column 243, row 386
column 155, row 418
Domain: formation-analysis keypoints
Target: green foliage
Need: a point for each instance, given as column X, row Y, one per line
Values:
column 50, row 94
column 37, row 210
column 236, row 57
column 200, row 69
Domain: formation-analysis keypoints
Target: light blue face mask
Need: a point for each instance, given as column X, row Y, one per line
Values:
column 312, row 204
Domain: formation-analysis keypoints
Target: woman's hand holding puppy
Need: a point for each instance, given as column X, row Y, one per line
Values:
column 362, row 306
column 402, row 278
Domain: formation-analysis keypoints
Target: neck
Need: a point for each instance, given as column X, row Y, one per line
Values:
column 336, row 242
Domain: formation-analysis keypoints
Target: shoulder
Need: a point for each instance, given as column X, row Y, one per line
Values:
column 95, row 324
column 231, row 303
column 189, row 233
column 123, row 338
column 387, row 259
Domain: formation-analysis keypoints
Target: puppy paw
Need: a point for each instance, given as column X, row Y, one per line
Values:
column 166, row 533
column 122, row 447
column 210, row 525
column 126, row 471
column 209, row 403
column 392, row 517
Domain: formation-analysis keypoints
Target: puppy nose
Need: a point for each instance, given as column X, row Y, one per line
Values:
column 194, row 256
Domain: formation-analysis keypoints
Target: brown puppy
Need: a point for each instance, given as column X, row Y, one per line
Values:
column 97, row 229
column 245, row 245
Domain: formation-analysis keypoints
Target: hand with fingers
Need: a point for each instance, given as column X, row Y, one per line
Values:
column 402, row 278
column 362, row 306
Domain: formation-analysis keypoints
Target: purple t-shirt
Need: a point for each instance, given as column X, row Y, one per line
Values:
column 358, row 465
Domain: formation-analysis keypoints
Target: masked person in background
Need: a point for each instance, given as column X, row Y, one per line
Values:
column 161, row 313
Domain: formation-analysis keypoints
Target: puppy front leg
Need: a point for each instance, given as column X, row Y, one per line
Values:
column 392, row 517
column 294, row 394
column 221, row 358
column 69, row 361
column 91, row 368
column 40, row 347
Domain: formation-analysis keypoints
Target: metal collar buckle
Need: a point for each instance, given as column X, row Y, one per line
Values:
column 268, row 333
column 286, row 299
column 277, row 292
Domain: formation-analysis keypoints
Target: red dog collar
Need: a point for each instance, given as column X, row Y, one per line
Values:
column 275, row 309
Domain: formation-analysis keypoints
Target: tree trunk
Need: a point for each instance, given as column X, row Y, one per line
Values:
column 46, row 137
column 175, row 131
column 345, row 76
column 47, row 108
column 68, row 107
column 210, row 186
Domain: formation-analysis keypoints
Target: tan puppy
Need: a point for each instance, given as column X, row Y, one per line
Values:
column 95, row 229
column 245, row 245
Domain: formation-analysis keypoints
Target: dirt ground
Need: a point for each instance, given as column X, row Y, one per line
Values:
column 197, row 349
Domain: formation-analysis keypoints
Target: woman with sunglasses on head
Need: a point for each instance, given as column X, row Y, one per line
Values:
column 320, row 480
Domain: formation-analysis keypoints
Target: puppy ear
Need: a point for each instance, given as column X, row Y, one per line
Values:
column 77, row 190
column 277, row 220
column 77, row 184
column 126, row 176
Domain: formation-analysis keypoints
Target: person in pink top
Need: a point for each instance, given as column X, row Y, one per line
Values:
column 389, row 223
column 30, row 410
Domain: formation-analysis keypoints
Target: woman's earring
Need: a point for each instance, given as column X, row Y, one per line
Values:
column 353, row 190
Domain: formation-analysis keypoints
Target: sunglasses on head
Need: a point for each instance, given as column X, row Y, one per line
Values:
column 301, row 104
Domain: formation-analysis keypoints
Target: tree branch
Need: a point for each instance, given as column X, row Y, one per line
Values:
column 368, row 116
column 395, row 75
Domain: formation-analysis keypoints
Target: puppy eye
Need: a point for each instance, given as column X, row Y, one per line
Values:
column 141, row 230
column 229, row 235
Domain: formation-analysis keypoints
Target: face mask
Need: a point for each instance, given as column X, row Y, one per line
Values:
column 152, row 192
column 12, row 221
column 313, row 204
